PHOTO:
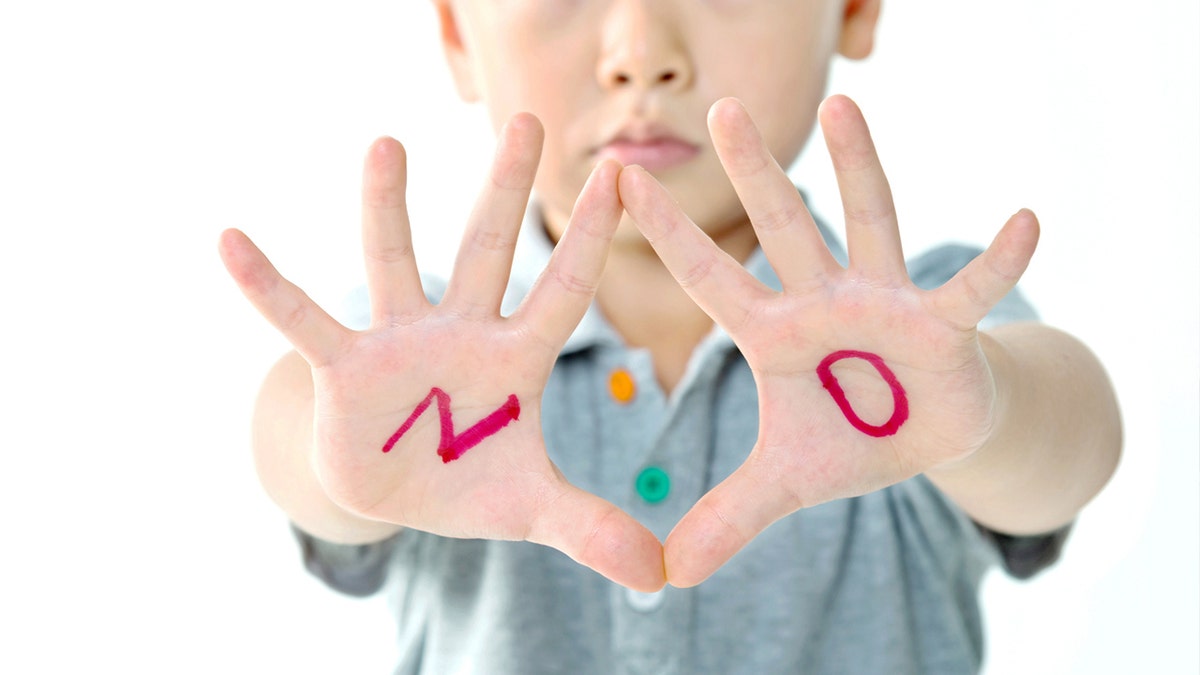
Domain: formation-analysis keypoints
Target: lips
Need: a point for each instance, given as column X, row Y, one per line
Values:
column 651, row 147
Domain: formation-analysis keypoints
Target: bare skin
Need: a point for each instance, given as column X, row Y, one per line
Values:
column 320, row 440
column 989, row 421
column 1019, row 426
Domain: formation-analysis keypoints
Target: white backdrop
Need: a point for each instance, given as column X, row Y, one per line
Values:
column 132, row 133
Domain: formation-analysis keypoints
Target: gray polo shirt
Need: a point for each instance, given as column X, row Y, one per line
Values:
column 883, row 583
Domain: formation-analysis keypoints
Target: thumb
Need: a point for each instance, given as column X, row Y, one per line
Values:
column 595, row 533
column 722, row 522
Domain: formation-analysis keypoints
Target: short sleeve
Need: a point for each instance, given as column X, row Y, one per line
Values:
column 358, row 570
column 1024, row 557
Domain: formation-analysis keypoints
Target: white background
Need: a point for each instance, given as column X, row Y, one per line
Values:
column 132, row 133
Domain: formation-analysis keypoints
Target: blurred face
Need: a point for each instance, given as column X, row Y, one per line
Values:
column 633, row 80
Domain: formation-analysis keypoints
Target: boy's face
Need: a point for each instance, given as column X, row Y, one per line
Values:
column 633, row 79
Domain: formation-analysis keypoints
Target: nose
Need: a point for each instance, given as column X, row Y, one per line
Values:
column 642, row 47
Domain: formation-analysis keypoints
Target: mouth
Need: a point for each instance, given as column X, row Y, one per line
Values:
column 650, row 146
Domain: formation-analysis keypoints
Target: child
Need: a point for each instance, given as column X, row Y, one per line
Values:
column 679, row 355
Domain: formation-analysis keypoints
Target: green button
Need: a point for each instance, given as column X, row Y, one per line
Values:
column 653, row 484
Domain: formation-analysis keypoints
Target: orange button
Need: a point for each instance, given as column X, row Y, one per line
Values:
column 621, row 386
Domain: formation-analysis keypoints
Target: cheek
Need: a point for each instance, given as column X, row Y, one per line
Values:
column 780, row 75
column 528, row 62
column 784, row 106
column 552, row 84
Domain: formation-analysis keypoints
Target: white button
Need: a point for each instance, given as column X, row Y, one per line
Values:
column 645, row 602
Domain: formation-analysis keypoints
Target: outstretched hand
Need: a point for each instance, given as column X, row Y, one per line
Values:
column 863, row 379
column 431, row 418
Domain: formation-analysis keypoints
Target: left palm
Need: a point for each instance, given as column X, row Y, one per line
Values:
column 863, row 379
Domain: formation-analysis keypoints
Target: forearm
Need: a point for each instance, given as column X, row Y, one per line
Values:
column 1056, row 437
column 282, row 445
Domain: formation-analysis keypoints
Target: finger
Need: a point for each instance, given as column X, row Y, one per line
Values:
column 713, row 279
column 789, row 237
column 314, row 334
column 598, row 535
column 722, row 523
column 562, row 293
column 485, row 257
column 971, row 294
column 872, row 235
column 392, row 278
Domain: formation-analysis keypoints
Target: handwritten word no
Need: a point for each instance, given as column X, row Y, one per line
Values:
column 452, row 447
column 899, row 398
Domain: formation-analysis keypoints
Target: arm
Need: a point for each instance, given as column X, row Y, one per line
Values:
column 1056, row 438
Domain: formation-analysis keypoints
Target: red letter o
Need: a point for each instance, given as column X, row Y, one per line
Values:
column 899, row 398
